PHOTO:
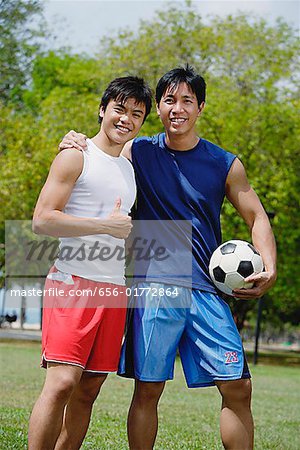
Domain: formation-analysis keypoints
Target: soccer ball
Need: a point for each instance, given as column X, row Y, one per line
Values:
column 231, row 263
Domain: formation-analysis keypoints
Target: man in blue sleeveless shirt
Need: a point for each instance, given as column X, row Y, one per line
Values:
column 183, row 177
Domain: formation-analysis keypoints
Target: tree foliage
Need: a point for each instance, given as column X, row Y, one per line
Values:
column 253, row 94
column 20, row 30
column 252, row 97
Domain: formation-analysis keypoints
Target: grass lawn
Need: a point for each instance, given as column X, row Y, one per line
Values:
column 188, row 417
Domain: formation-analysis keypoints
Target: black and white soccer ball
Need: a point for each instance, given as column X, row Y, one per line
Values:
column 231, row 263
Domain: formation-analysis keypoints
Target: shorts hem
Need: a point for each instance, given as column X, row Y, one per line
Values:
column 58, row 361
column 145, row 379
column 200, row 384
column 72, row 363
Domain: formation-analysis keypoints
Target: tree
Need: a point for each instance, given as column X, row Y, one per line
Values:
column 20, row 30
column 253, row 93
column 64, row 94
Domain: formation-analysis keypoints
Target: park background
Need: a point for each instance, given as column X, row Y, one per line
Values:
column 56, row 60
column 250, row 61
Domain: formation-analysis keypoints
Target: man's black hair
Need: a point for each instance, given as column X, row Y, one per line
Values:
column 179, row 75
column 123, row 88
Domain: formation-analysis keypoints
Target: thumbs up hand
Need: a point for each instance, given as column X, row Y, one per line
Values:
column 119, row 224
column 117, row 206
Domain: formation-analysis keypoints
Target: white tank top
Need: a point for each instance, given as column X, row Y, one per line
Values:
column 103, row 179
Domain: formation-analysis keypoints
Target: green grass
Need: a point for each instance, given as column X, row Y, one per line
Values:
column 188, row 417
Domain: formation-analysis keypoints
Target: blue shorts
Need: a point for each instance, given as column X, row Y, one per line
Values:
column 203, row 330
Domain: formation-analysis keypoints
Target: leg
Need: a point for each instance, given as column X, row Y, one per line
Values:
column 78, row 412
column 142, row 417
column 47, row 415
column 236, row 422
column 220, row 354
column 151, row 343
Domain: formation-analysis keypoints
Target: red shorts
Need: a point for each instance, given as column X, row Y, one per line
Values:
column 83, row 322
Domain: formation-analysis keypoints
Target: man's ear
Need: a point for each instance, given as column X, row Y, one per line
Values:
column 101, row 112
column 157, row 109
column 201, row 108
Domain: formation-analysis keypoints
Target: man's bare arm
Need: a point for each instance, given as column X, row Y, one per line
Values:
column 49, row 218
column 126, row 152
column 247, row 203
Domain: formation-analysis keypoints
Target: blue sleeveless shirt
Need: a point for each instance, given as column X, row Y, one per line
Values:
column 183, row 186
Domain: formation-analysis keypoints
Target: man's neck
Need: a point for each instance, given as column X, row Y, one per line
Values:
column 182, row 143
column 104, row 144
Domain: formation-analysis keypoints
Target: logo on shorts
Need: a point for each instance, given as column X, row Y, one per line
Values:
column 231, row 357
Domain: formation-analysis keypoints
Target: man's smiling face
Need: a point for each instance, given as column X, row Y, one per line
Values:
column 121, row 122
column 178, row 109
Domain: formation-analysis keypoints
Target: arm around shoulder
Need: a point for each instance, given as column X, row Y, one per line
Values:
column 73, row 140
column 127, row 150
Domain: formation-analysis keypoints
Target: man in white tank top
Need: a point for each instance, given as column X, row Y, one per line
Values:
column 85, row 202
